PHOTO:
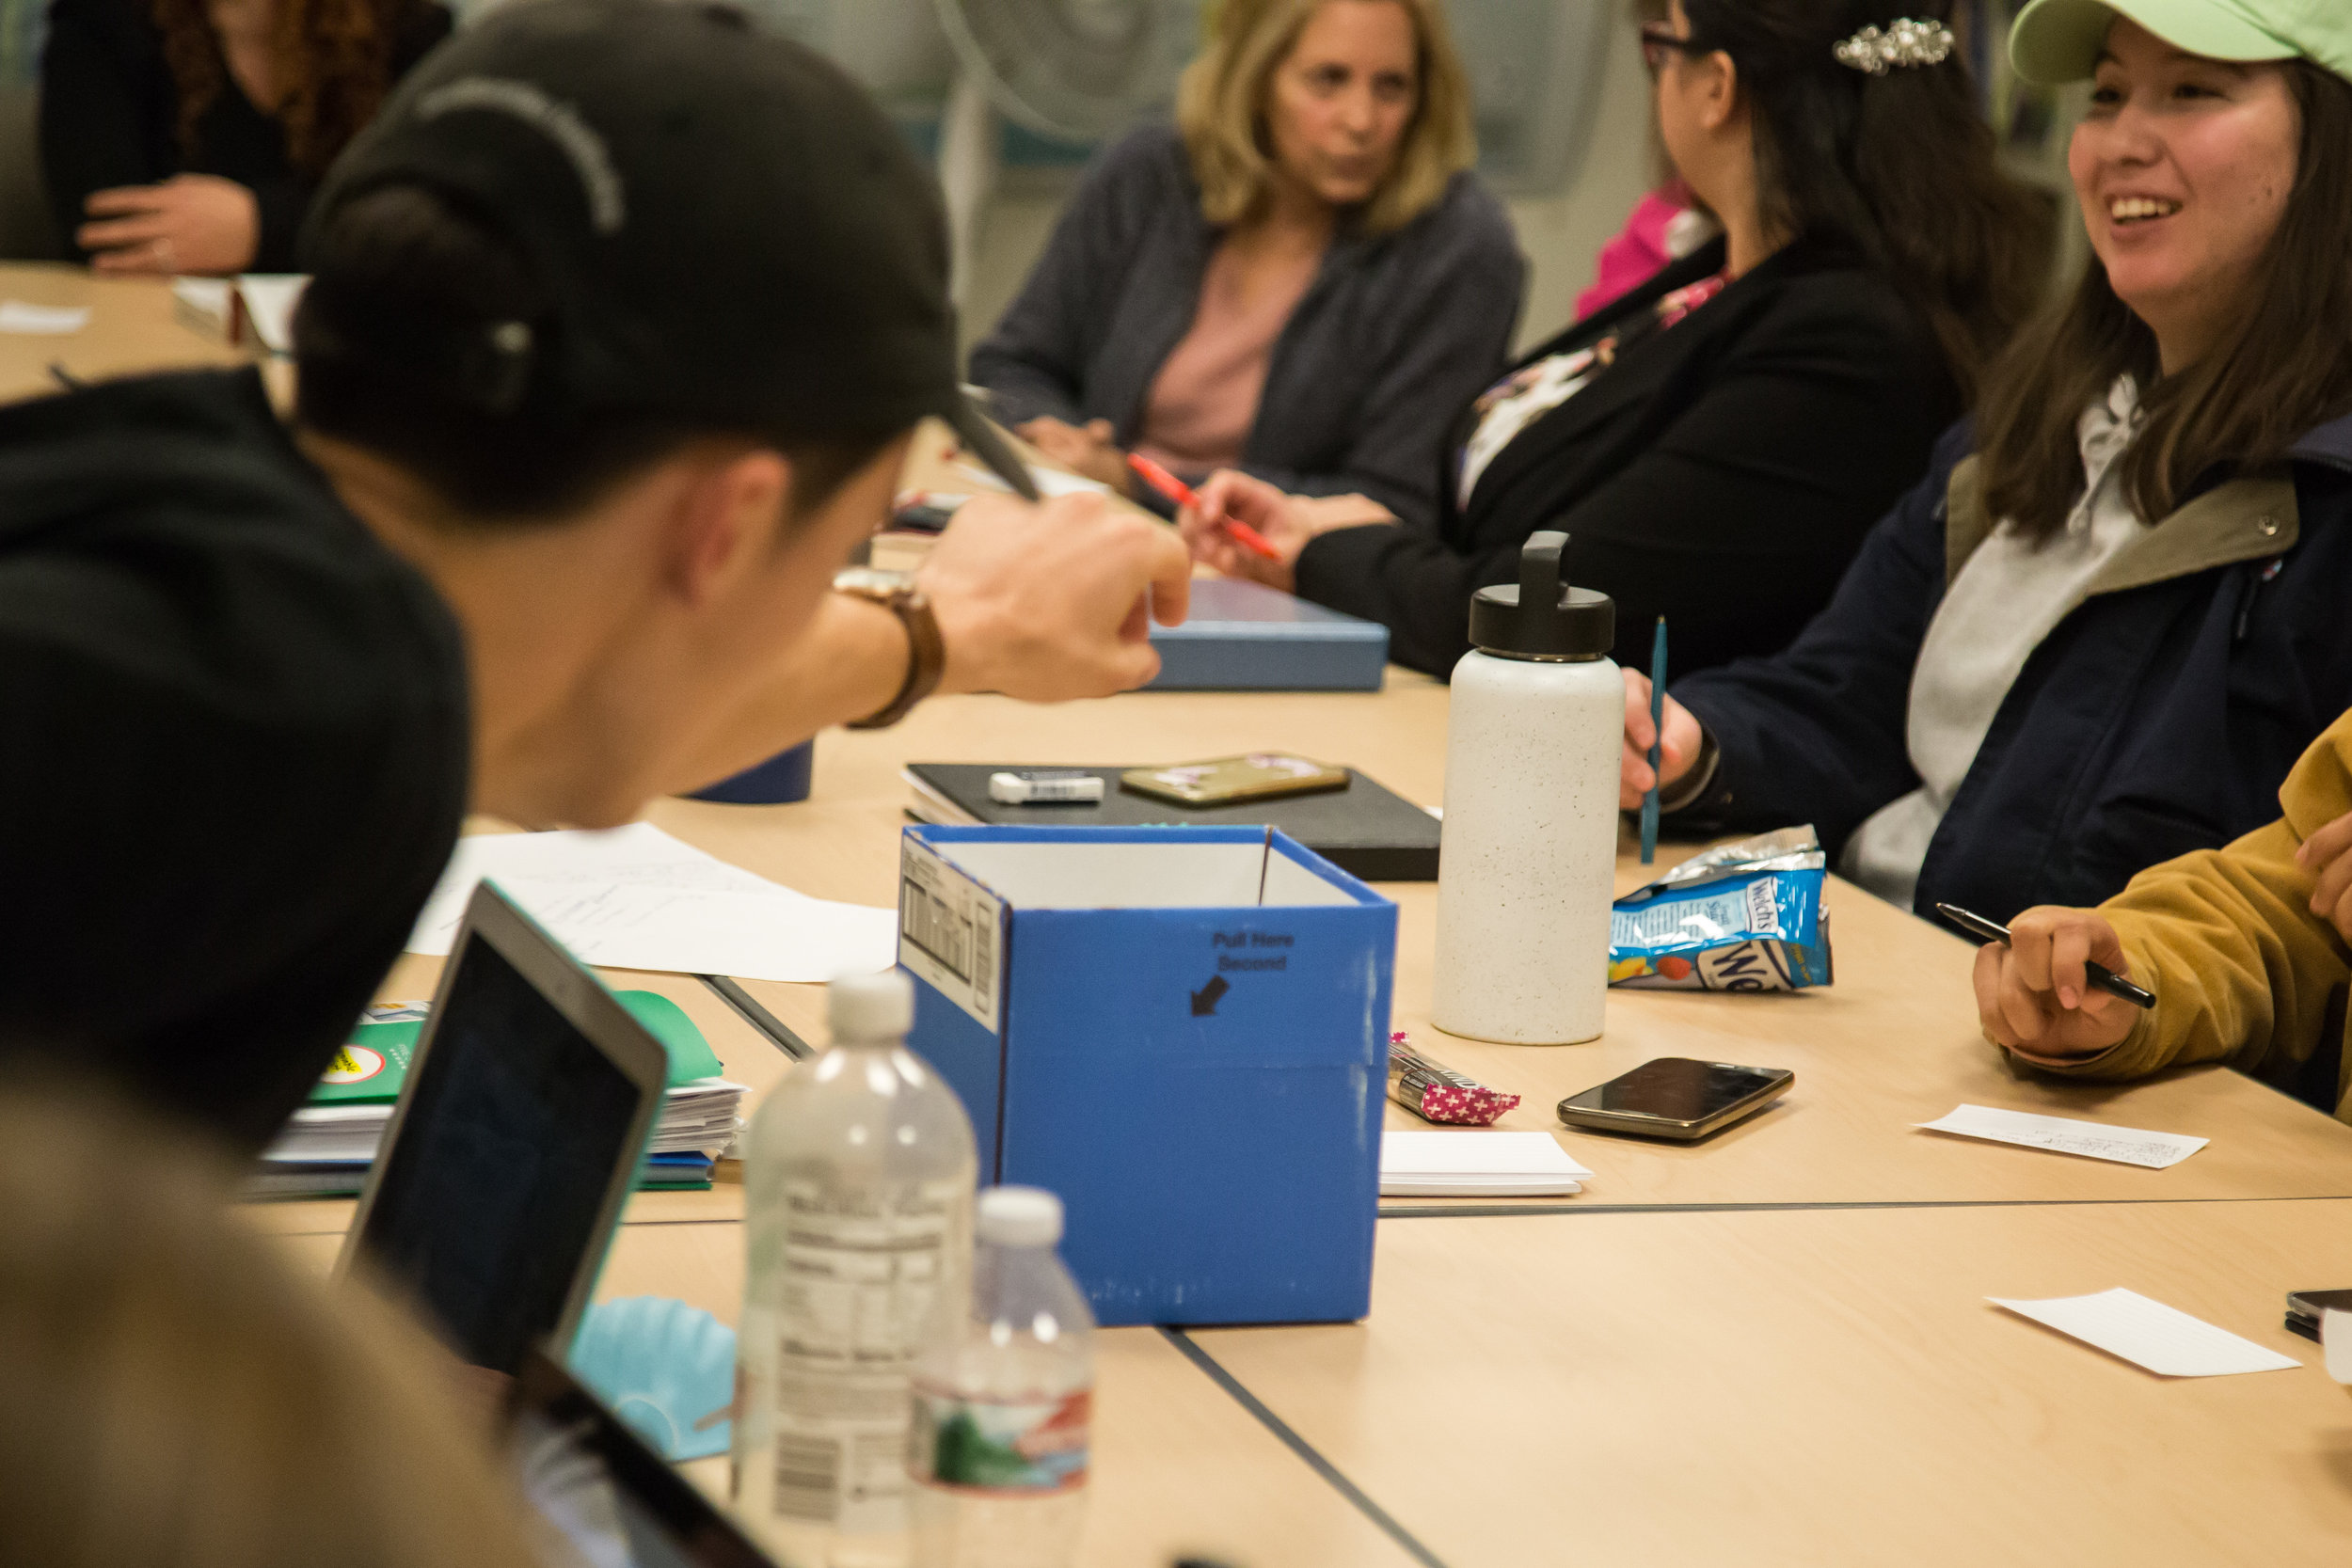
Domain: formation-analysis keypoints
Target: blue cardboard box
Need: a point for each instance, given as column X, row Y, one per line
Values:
column 1182, row 1031
column 1246, row 637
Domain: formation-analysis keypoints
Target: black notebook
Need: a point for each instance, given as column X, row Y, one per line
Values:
column 1364, row 830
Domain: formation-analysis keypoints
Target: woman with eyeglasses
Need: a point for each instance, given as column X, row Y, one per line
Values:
column 1717, row 442
column 2102, row 632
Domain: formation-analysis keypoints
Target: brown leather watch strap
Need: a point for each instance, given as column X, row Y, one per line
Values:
column 926, row 651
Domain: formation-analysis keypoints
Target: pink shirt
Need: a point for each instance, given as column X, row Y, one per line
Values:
column 1664, row 227
column 1204, row 398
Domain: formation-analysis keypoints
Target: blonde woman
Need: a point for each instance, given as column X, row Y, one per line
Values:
column 1301, row 278
column 179, row 1397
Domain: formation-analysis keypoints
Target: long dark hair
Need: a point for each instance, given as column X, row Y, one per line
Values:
column 333, row 60
column 2286, row 368
column 1897, row 167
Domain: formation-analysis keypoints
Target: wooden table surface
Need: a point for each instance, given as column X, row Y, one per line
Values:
column 1608, row 1378
column 1824, row 1386
column 1178, row 1467
column 132, row 327
column 1892, row 1043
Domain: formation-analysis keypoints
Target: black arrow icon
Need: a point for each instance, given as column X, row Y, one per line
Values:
column 1205, row 1001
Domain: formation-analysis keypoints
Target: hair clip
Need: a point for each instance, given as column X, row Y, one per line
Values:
column 1904, row 42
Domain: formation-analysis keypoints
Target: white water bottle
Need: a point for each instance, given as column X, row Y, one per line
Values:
column 858, row 1175
column 1002, row 1402
column 1528, row 867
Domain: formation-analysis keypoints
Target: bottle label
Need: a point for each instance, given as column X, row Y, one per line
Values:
column 1005, row 1446
column 861, row 1279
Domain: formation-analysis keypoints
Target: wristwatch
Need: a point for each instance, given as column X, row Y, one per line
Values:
column 926, row 651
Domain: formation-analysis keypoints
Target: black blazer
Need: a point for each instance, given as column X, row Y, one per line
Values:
column 1721, row 473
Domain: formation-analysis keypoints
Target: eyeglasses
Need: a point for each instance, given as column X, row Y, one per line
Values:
column 1659, row 39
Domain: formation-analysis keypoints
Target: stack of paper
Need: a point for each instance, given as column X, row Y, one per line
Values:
column 636, row 898
column 251, row 308
column 325, row 1150
column 1477, row 1164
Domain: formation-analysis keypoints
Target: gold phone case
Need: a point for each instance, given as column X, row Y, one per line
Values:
column 1223, row 780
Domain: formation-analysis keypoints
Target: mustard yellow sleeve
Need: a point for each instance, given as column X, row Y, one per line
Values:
column 2244, row 973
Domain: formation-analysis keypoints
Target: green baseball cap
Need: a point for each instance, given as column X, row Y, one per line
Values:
column 2059, row 41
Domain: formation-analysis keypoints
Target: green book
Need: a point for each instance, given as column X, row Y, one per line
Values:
column 373, row 1063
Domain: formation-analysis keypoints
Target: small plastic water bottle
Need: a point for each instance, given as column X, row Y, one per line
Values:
column 998, row 1447
column 858, row 1176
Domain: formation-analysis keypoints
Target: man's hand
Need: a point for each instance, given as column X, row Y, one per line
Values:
column 1052, row 602
column 1089, row 449
column 191, row 223
column 2324, row 855
column 1682, row 748
column 2032, row 995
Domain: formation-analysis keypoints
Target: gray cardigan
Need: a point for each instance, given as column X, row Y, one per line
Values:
column 1392, row 338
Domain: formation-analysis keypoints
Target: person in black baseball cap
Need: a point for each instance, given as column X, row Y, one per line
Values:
column 621, row 317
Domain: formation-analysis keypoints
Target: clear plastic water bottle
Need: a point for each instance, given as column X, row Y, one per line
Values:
column 858, row 1176
column 1002, row 1407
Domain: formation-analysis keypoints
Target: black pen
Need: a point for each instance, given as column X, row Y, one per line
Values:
column 2098, row 975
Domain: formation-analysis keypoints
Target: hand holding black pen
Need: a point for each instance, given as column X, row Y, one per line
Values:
column 2049, row 986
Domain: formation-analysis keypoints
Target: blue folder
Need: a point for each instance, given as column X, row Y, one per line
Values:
column 1246, row 637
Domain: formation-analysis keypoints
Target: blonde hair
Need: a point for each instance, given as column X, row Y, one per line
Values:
column 1221, row 107
column 179, row 1397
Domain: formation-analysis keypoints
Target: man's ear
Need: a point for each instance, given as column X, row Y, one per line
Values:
column 725, row 520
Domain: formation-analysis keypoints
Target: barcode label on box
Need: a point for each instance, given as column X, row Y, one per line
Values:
column 948, row 927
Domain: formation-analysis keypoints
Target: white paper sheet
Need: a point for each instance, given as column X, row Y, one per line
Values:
column 1472, row 1164
column 2335, row 1333
column 2128, row 1146
column 47, row 320
column 1050, row 481
column 636, row 898
column 2162, row 1338
column 202, row 301
column 270, row 298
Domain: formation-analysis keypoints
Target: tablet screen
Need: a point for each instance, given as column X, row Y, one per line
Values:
column 609, row 1499
column 489, row 1201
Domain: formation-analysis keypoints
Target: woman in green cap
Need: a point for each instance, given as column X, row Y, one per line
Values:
column 2245, row 945
column 2103, row 629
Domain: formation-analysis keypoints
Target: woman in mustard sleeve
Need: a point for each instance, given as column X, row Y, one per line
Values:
column 2246, row 947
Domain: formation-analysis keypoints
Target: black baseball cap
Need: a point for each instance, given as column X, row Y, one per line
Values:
column 725, row 228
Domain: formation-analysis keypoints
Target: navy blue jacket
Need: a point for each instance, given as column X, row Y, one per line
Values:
column 2156, row 718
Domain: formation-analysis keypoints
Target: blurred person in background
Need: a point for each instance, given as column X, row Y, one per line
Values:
column 178, row 1395
column 189, row 136
column 1301, row 279
column 1664, row 226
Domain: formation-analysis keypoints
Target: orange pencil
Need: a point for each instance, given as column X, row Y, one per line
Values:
column 1182, row 495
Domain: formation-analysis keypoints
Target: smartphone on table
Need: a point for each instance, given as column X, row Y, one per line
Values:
column 1677, row 1098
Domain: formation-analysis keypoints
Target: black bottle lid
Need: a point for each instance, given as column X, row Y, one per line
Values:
column 1540, row 616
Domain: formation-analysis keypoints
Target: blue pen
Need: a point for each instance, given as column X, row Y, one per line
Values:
column 1657, row 735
